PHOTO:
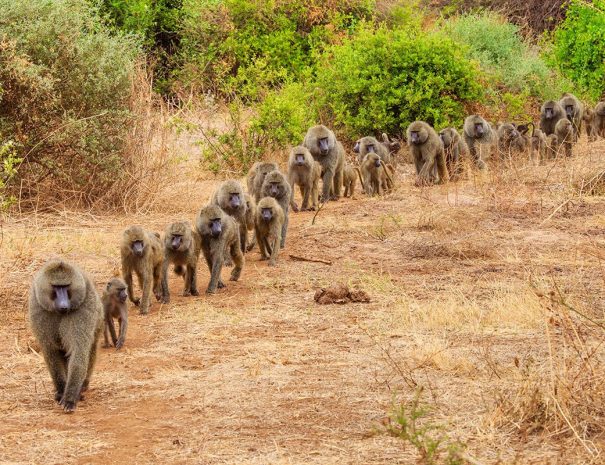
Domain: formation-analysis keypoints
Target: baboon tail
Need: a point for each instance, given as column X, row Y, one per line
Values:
column 180, row 270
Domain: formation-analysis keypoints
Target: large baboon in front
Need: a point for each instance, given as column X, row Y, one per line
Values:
column 574, row 111
column 550, row 114
column 66, row 316
column 428, row 154
column 330, row 154
column 480, row 137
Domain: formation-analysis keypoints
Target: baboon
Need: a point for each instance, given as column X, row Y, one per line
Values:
column 143, row 254
column 304, row 171
column 269, row 223
column 393, row 146
column 230, row 197
column 114, row 306
column 565, row 133
column 599, row 119
column 250, row 212
column 330, row 154
column 349, row 180
column 370, row 144
column 574, row 110
column 276, row 186
column 182, row 246
column 374, row 175
column 479, row 134
column 511, row 140
column 428, row 153
column 552, row 146
column 256, row 177
column 219, row 235
column 550, row 114
column 455, row 150
column 66, row 317
column 538, row 144
column 589, row 118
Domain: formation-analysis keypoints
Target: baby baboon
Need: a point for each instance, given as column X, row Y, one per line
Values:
column 511, row 140
column 250, row 212
column 370, row 144
column 304, row 171
column 330, row 154
column 599, row 119
column 219, row 235
column 114, row 306
column 269, row 223
column 552, row 146
column 589, row 117
column 230, row 197
column 479, row 134
column 349, row 179
column 276, row 186
column 143, row 254
column 428, row 153
column 66, row 316
column 574, row 110
column 565, row 135
column 256, row 177
column 550, row 114
column 374, row 175
column 455, row 150
column 182, row 247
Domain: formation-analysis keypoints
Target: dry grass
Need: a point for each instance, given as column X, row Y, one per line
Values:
column 486, row 294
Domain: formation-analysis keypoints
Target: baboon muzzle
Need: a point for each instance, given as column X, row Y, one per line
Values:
column 216, row 228
column 323, row 146
column 176, row 242
column 122, row 296
column 62, row 303
column 377, row 163
column 266, row 214
column 300, row 160
column 356, row 147
column 569, row 111
column 235, row 201
column 137, row 248
column 548, row 113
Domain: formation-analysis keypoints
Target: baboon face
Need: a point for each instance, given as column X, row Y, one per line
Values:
column 116, row 288
column 600, row 109
column 178, row 236
column 62, row 288
column 136, row 238
column 321, row 138
column 447, row 137
column 235, row 201
column 301, row 156
column 210, row 221
column 509, row 131
column 523, row 128
column 569, row 111
column 374, row 159
column 549, row 110
column 416, row 137
column 267, row 213
column 276, row 186
column 479, row 129
column 356, row 146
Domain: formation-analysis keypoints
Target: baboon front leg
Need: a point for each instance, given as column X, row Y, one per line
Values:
column 109, row 327
column 55, row 360
column 328, row 179
column 128, row 278
column 275, row 251
column 146, row 290
column 123, row 328
column 77, row 369
column 238, row 259
column 215, row 273
column 193, row 280
column 165, row 289
column 338, row 178
column 306, row 193
column 284, row 229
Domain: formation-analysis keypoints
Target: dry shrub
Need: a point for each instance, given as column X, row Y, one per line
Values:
column 564, row 397
column 592, row 184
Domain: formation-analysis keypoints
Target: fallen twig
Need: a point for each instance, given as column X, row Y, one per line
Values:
column 313, row 260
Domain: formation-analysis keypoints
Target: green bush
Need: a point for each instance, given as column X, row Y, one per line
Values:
column 66, row 87
column 248, row 47
column 383, row 80
column 579, row 46
column 502, row 53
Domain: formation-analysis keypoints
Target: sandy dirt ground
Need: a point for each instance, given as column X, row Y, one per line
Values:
column 458, row 277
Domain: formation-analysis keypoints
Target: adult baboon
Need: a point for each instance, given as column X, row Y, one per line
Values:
column 330, row 154
column 276, row 186
column 66, row 317
column 370, row 144
column 455, row 150
column 511, row 140
column 230, row 197
column 182, row 246
column 599, row 119
column 219, row 234
column 566, row 135
column 269, row 223
column 256, row 177
column 589, row 118
column 428, row 154
column 574, row 110
column 480, row 137
column 374, row 175
column 305, row 172
column 349, row 180
column 142, row 253
column 114, row 306
column 550, row 114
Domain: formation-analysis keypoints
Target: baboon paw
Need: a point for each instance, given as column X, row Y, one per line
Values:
column 158, row 296
column 195, row 293
column 210, row 291
column 186, row 293
column 69, row 406
column 58, row 396
column 165, row 300
column 119, row 344
column 221, row 285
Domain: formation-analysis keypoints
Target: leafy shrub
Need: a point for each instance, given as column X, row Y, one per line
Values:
column 502, row 53
column 66, row 86
column 579, row 49
column 247, row 47
column 384, row 80
column 9, row 162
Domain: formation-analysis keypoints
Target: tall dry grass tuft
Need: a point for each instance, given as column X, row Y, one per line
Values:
column 564, row 397
column 149, row 163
